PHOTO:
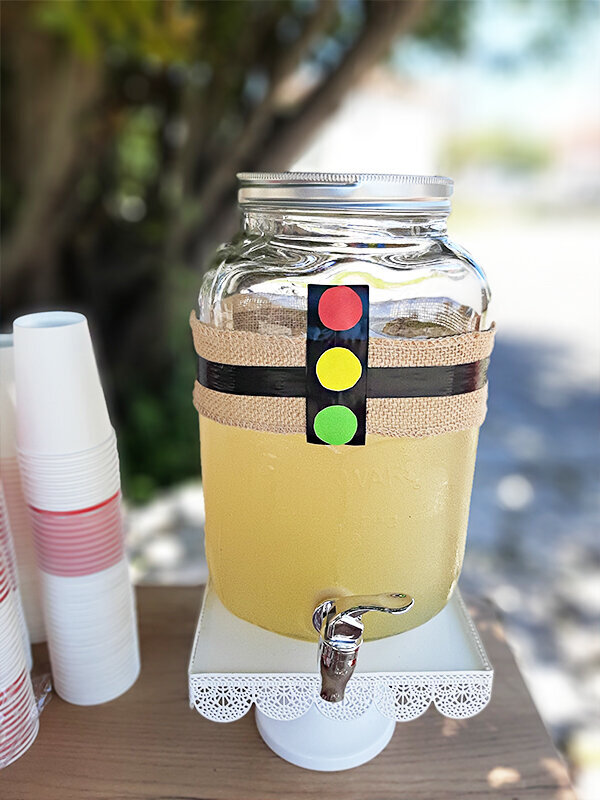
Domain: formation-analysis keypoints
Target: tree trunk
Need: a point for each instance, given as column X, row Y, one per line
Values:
column 50, row 94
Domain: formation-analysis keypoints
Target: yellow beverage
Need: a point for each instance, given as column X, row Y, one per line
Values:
column 289, row 524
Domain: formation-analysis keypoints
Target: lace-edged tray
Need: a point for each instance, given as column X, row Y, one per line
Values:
column 235, row 664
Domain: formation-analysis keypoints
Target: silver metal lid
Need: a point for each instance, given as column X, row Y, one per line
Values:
column 344, row 188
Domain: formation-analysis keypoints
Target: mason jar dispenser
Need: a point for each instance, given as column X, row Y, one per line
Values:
column 343, row 341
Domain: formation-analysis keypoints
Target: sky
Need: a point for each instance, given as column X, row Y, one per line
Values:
column 400, row 119
column 513, row 87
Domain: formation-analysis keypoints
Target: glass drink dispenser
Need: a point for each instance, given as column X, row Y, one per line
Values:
column 343, row 343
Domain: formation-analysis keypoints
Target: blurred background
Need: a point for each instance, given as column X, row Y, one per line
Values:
column 123, row 125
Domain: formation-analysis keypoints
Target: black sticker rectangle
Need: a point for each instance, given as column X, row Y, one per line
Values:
column 320, row 338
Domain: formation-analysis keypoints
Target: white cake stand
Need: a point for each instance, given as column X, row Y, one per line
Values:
column 235, row 664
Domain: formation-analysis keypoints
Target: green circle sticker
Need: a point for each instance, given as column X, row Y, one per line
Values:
column 335, row 424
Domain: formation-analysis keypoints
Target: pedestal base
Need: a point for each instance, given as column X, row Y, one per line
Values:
column 235, row 665
column 316, row 742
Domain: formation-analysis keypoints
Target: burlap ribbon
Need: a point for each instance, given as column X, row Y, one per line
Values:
column 395, row 417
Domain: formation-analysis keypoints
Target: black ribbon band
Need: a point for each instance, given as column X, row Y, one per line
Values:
column 381, row 381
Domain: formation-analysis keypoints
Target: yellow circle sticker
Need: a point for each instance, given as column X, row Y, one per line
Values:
column 338, row 369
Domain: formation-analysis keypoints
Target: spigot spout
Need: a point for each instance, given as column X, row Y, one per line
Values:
column 340, row 627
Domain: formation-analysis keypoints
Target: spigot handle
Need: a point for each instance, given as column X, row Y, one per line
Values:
column 340, row 620
column 340, row 627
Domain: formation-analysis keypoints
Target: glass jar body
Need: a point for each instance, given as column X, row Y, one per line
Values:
column 290, row 524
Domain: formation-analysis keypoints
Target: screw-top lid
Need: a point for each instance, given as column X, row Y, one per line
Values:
column 344, row 188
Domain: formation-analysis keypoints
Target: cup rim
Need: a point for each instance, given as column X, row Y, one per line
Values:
column 40, row 320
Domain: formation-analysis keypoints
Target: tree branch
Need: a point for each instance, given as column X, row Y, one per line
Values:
column 260, row 120
column 386, row 21
column 283, row 139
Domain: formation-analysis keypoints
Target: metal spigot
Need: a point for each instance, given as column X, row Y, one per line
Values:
column 340, row 627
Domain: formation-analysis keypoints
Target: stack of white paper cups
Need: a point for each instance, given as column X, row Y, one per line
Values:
column 10, row 562
column 70, row 470
column 16, row 508
column 18, row 712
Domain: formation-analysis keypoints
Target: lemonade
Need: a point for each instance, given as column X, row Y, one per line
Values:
column 290, row 524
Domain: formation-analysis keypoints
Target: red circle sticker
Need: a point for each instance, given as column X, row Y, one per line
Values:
column 340, row 308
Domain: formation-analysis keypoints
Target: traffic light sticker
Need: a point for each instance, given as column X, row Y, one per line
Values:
column 338, row 369
column 336, row 364
column 340, row 308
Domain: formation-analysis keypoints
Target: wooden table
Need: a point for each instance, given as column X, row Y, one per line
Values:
column 149, row 745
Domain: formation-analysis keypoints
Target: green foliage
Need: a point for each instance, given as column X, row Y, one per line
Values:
column 137, row 156
column 445, row 25
column 200, row 67
column 499, row 149
column 159, row 435
column 158, row 29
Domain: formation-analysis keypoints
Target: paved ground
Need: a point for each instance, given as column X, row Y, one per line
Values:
column 533, row 536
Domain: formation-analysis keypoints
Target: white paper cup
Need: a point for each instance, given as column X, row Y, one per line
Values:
column 12, row 663
column 32, row 606
column 86, row 619
column 9, row 566
column 78, row 457
column 24, row 745
column 92, row 547
column 85, row 622
column 7, row 397
column 91, row 631
column 83, row 519
column 79, row 543
column 9, row 467
column 63, row 470
column 105, row 488
column 105, row 645
column 110, row 654
column 60, row 403
column 21, row 748
column 77, row 529
column 74, row 488
column 58, row 473
column 12, row 652
column 86, row 588
column 109, row 657
column 72, row 530
column 13, row 698
column 85, row 689
column 19, row 715
column 17, row 732
column 93, row 682
column 17, row 727
column 66, row 469
column 92, row 634
column 77, row 499
column 81, row 631
column 74, row 568
column 74, row 479
column 108, row 683
column 20, row 524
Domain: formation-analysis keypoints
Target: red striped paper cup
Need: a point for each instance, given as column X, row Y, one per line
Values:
column 79, row 543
